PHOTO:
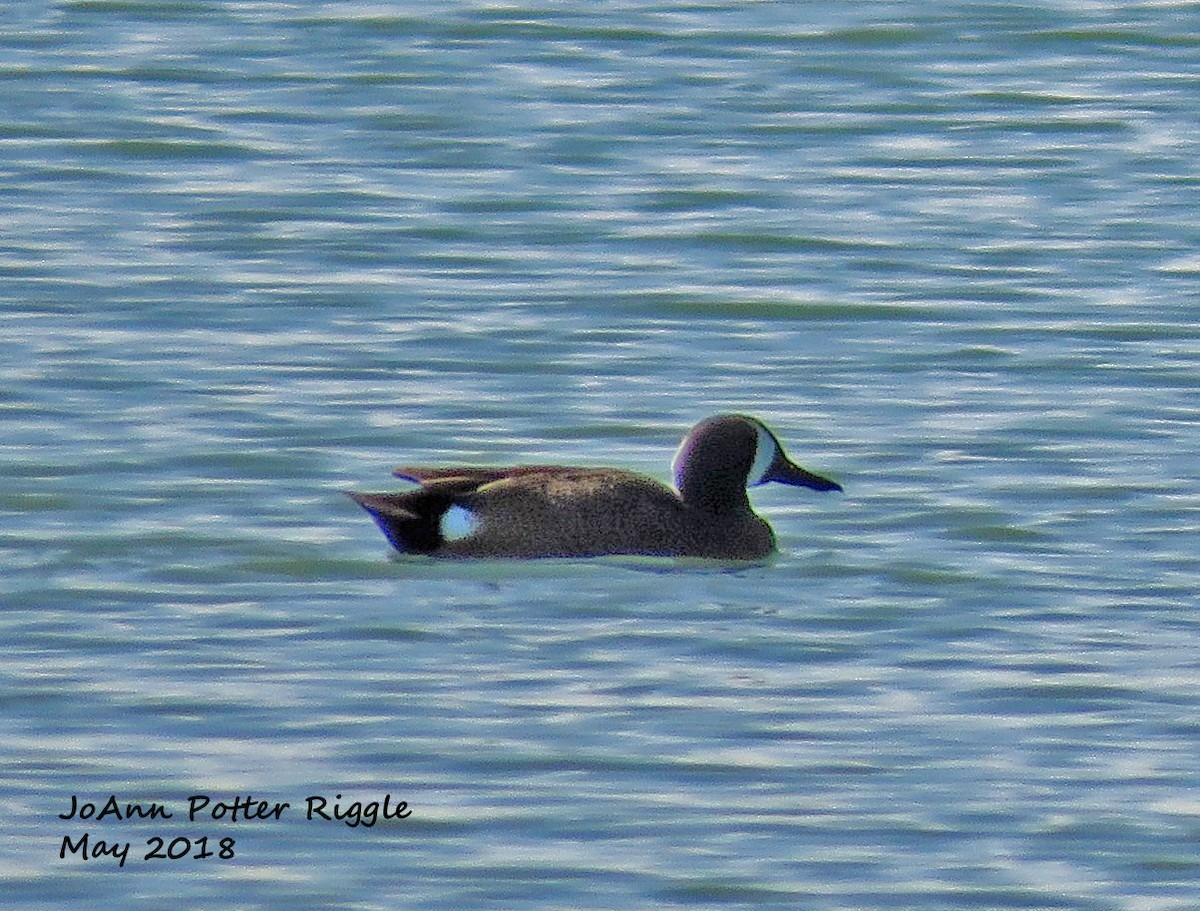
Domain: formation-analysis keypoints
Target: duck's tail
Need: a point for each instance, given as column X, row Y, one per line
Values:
column 410, row 521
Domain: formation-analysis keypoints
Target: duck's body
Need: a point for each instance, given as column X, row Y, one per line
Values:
column 559, row 511
column 549, row 511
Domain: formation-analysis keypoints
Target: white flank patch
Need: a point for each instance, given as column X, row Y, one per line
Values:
column 458, row 522
column 764, row 454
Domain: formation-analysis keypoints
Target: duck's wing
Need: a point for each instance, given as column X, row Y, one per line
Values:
column 432, row 494
column 476, row 477
column 413, row 520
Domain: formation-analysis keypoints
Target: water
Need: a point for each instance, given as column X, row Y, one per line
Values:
column 255, row 254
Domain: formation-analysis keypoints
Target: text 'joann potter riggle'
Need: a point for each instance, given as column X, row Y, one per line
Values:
column 239, row 809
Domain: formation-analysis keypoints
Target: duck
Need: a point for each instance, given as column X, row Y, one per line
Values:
column 534, row 511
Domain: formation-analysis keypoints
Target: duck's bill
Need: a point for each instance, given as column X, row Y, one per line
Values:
column 784, row 472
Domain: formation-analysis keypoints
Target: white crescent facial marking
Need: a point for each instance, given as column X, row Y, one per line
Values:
column 765, row 451
column 457, row 523
column 678, row 461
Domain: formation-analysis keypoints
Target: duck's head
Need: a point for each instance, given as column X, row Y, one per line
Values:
column 723, row 455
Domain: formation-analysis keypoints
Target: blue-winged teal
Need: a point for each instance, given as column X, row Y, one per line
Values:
column 558, row 511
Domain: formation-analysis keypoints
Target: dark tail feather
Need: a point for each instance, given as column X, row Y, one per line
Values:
column 408, row 520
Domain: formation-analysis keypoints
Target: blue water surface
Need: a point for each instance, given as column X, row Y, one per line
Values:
column 255, row 254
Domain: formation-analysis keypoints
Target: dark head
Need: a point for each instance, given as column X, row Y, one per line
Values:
column 723, row 455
